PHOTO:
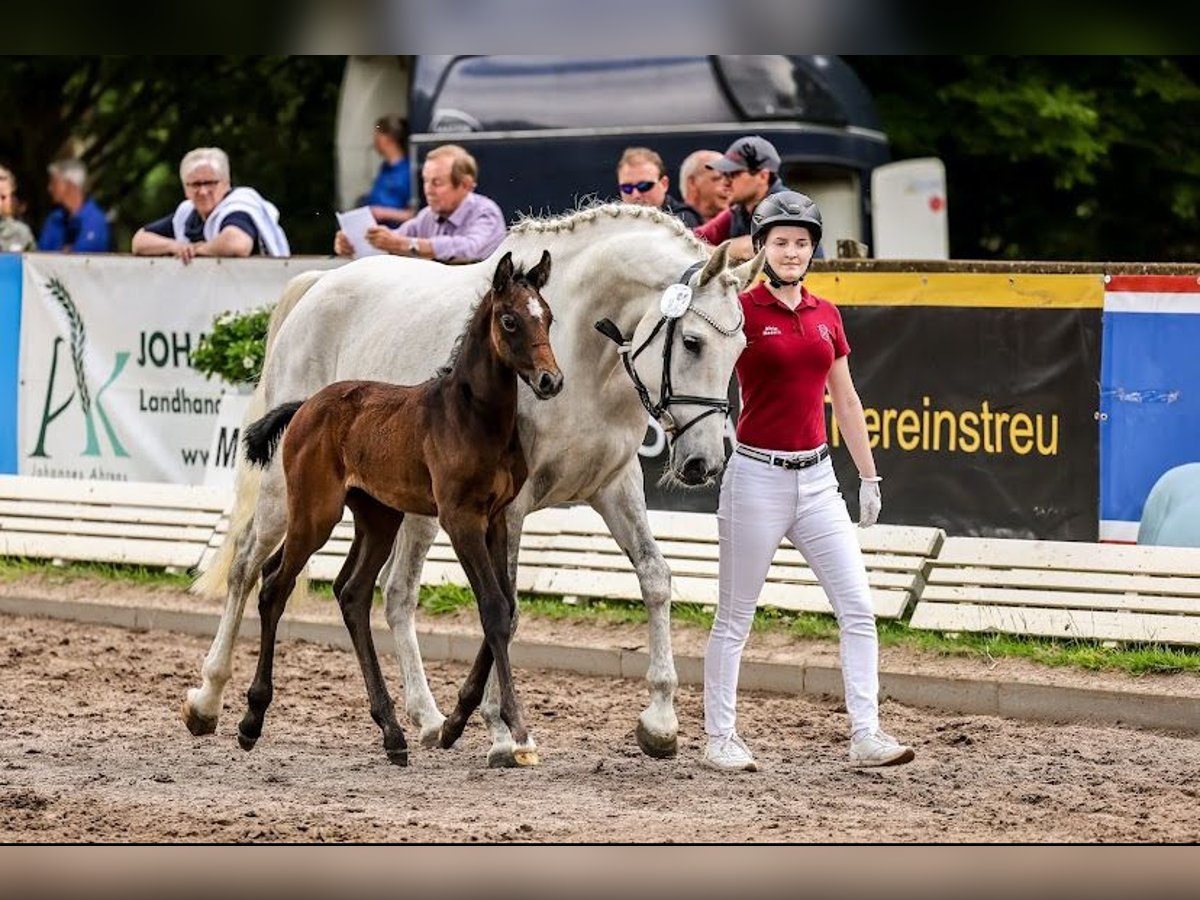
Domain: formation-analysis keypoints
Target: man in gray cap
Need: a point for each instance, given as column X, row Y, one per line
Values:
column 751, row 168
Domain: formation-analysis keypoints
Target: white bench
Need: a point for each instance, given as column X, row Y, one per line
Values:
column 99, row 521
column 1063, row 589
column 569, row 551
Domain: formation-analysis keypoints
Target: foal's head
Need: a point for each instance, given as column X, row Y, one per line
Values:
column 521, row 324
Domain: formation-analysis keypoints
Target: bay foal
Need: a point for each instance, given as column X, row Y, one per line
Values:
column 448, row 448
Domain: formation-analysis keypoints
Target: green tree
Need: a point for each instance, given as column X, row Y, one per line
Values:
column 1088, row 158
column 131, row 119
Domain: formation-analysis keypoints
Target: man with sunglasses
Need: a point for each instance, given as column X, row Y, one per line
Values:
column 642, row 179
column 751, row 168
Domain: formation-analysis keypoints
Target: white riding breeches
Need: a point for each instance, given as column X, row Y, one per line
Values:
column 761, row 504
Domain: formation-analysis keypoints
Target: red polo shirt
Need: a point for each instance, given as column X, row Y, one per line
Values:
column 784, row 368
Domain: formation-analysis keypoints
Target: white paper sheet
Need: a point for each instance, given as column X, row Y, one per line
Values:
column 354, row 223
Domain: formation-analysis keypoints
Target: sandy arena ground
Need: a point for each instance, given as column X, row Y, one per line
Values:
column 92, row 749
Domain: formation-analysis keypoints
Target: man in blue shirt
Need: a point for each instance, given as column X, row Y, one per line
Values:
column 76, row 223
column 391, row 191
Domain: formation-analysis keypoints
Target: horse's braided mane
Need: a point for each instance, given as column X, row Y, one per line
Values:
column 591, row 212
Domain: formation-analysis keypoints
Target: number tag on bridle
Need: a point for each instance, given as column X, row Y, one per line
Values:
column 675, row 301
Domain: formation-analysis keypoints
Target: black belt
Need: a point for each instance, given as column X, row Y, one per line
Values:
column 783, row 461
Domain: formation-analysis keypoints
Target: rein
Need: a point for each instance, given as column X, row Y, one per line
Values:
column 659, row 411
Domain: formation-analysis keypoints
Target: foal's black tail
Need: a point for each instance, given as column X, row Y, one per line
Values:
column 263, row 436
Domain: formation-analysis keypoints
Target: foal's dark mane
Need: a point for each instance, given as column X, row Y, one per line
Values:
column 455, row 351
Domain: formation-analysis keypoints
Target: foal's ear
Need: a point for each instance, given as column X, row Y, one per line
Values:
column 540, row 274
column 502, row 279
column 748, row 272
column 715, row 264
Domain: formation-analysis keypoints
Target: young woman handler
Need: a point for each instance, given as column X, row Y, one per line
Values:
column 780, row 482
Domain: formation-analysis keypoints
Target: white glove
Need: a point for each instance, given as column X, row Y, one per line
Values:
column 869, row 501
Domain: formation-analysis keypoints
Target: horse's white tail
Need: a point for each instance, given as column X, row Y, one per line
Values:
column 213, row 579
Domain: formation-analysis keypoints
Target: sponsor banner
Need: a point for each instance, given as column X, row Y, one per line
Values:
column 106, row 387
column 1149, row 392
column 980, row 394
column 10, row 338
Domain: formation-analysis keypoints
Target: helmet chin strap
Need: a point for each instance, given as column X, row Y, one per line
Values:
column 777, row 282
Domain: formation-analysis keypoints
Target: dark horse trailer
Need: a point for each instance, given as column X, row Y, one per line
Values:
column 548, row 131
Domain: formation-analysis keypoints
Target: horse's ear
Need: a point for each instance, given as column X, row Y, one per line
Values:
column 540, row 274
column 747, row 273
column 715, row 264
column 502, row 279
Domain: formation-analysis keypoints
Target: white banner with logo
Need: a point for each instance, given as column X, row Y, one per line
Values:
column 106, row 386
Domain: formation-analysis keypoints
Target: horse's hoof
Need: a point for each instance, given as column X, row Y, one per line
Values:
column 527, row 757
column 655, row 745
column 503, row 758
column 431, row 736
column 398, row 757
column 245, row 741
column 196, row 723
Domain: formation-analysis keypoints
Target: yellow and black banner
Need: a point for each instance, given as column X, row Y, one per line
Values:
column 980, row 393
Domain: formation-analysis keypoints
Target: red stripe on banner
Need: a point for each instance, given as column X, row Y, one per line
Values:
column 1155, row 284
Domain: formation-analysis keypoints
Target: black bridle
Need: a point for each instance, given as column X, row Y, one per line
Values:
column 658, row 411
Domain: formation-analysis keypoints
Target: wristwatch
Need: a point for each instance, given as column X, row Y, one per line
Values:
column 412, row 246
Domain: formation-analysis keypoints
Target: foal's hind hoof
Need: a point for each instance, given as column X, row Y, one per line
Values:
column 398, row 757
column 197, row 724
column 657, row 746
column 245, row 741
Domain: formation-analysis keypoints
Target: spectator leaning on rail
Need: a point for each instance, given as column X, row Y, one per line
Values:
column 705, row 190
column 215, row 219
column 642, row 179
column 76, row 224
column 457, row 224
column 751, row 168
column 15, row 235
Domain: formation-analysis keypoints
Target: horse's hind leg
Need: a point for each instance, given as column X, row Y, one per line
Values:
column 262, row 534
column 402, row 586
column 375, row 527
column 308, row 529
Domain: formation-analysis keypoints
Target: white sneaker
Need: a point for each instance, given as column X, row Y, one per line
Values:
column 729, row 754
column 879, row 749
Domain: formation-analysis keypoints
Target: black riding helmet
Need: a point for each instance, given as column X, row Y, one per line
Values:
column 785, row 208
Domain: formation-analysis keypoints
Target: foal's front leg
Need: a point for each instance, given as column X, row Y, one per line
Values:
column 471, row 538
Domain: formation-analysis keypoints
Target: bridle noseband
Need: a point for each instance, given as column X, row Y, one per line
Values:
column 658, row 411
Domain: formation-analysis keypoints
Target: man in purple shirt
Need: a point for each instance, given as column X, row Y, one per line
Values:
column 457, row 224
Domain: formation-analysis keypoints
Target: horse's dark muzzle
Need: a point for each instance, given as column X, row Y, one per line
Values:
column 547, row 384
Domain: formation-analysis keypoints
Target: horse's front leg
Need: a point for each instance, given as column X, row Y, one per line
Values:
column 622, row 504
column 402, row 586
column 471, row 536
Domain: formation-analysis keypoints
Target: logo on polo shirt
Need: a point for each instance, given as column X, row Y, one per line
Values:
column 770, row 330
column 825, row 332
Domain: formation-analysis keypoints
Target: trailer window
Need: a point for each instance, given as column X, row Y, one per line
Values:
column 504, row 93
column 774, row 87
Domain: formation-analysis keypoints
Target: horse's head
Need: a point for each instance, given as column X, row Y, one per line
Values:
column 687, row 348
column 521, row 324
